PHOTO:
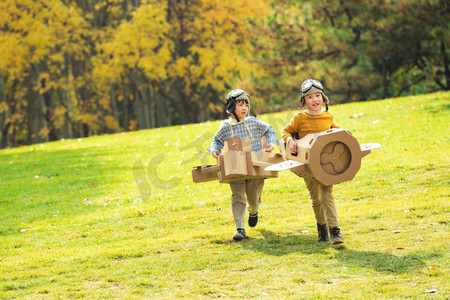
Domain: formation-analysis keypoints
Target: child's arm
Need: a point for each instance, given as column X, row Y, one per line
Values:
column 288, row 131
column 269, row 133
column 217, row 143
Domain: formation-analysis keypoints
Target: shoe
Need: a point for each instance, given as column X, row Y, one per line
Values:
column 239, row 235
column 335, row 234
column 323, row 233
column 252, row 220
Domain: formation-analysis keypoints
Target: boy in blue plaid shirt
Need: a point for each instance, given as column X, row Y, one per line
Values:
column 241, row 125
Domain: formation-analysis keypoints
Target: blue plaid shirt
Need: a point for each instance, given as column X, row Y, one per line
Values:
column 257, row 127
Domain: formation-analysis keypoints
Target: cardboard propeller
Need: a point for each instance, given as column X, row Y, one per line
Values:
column 331, row 156
column 238, row 162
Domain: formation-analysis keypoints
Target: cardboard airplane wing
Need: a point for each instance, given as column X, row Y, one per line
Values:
column 331, row 156
column 285, row 165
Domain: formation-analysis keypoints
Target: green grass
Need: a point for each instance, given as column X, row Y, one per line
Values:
column 118, row 216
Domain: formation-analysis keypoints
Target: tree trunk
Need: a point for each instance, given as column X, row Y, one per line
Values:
column 113, row 101
column 145, row 107
column 31, row 112
column 4, row 127
column 49, row 116
column 138, row 110
column 65, row 101
column 385, row 82
column 152, row 107
column 40, row 122
column 446, row 62
column 125, row 110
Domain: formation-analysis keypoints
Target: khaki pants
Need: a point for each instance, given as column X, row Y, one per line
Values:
column 253, row 189
column 322, row 202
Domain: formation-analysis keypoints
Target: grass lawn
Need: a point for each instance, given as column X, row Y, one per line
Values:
column 118, row 216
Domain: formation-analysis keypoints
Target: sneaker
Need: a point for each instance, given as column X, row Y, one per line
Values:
column 335, row 234
column 252, row 220
column 323, row 233
column 239, row 235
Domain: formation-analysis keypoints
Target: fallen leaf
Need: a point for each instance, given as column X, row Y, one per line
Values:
column 354, row 116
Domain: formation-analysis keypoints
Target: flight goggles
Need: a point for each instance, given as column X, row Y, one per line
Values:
column 235, row 94
column 309, row 83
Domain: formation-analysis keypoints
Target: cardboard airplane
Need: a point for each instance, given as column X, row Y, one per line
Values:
column 331, row 156
column 238, row 162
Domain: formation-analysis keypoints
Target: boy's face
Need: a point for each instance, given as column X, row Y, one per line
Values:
column 314, row 101
column 242, row 109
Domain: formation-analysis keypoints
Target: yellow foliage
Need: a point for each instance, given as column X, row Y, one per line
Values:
column 90, row 119
column 3, row 107
column 112, row 123
column 44, row 132
column 133, row 125
column 203, row 46
column 140, row 44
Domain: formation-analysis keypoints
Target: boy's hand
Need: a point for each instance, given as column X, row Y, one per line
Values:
column 269, row 148
column 293, row 146
column 216, row 154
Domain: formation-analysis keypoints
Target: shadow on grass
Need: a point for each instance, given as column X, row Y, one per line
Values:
column 384, row 262
column 277, row 245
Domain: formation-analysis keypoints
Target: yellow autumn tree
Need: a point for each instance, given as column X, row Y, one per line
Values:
column 173, row 61
column 39, row 40
column 211, row 53
column 131, row 65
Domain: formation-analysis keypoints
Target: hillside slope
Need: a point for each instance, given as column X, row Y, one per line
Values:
column 118, row 216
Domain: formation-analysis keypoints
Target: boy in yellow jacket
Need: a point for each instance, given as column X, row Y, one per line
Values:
column 311, row 120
